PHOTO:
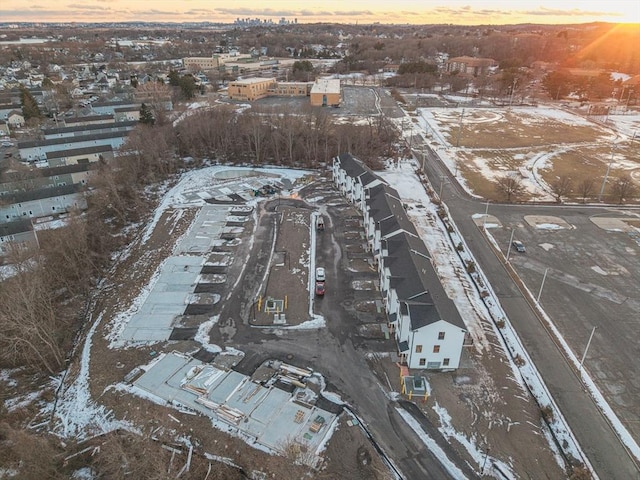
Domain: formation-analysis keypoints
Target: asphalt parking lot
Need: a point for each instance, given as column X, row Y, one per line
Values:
column 592, row 279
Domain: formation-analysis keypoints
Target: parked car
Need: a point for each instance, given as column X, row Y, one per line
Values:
column 320, row 289
column 519, row 246
column 7, row 144
column 320, row 274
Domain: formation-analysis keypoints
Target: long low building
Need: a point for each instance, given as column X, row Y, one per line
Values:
column 79, row 130
column 42, row 202
column 35, row 150
column 428, row 329
column 73, row 156
column 250, row 89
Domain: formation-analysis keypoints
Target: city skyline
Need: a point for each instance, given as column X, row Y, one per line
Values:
column 463, row 12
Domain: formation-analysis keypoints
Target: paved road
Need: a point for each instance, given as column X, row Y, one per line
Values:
column 598, row 440
column 338, row 349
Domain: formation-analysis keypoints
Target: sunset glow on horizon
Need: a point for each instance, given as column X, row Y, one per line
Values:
column 462, row 12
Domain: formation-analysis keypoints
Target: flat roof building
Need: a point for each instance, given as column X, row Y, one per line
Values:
column 325, row 92
column 250, row 89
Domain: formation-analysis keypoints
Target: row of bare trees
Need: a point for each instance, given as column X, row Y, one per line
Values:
column 511, row 188
column 304, row 139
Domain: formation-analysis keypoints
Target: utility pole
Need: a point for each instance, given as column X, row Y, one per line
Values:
column 606, row 175
column 484, row 219
column 542, row 285
column 510, row 243
column 460, row 129
column 586, row 349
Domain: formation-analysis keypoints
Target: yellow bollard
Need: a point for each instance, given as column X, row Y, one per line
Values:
column 259, row 303
column 410, row 394
column 285, row 302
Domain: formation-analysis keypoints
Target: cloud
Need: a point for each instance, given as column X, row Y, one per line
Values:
column 81, row 6
column 574, row 12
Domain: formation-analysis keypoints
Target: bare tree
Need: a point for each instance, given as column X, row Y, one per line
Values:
column 510, row 187
column 561, row 187
column 586, row 188
column 623, row 188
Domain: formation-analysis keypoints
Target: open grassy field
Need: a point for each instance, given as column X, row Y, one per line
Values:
column 536, row 145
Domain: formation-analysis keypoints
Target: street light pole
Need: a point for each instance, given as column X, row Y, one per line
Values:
column 606, row 175
column 510, row 242
column 486, row 214
column 442, row 179
column 586, row 349
column 542, row 284
column 460, row 129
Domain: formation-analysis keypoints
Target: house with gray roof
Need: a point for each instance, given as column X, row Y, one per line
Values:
column 42, row 202
column 427, row 327
column 19, row 233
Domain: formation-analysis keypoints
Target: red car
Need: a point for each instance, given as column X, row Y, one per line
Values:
column 320, row 288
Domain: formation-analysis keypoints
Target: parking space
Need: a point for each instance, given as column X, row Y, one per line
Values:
column 590, row 269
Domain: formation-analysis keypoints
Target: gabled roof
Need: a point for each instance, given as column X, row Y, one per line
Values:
column 42, row 193
column 74, row 139
column 88, row 128
column 17, row 226
column 71, row 152
column 417, row 284
column 351, row 165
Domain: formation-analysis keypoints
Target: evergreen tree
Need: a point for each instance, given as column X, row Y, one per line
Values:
column 146, row 115
column 30, row 107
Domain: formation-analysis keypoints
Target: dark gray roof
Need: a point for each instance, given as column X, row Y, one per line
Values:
column 417, row 284
column 45, row 172
column 403, row 346
column 15, row 227
column 88, row 128
column 41, row 193
column 90, row 118
column 368, row 177
column 79, row 151
column 77, row 139
column 132, row 108
column 114, row 104
column 351, row 165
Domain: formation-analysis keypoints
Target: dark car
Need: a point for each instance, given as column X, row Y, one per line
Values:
column 519, row 246
column 320, row 288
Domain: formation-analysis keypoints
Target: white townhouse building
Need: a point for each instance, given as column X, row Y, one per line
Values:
column 425, row 322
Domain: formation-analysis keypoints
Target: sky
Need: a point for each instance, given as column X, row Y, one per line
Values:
column 464, row 12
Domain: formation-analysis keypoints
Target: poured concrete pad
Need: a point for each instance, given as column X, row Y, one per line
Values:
column 612, row 224
column 546, row 222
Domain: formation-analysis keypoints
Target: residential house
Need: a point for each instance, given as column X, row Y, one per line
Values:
column 88, row 120
column 39, row 178
column 42, row 202
column 35, row 150
column 18, row 233
column 427, row 327
column 80, row 155
column 4, row 127
column 15, row 119
column 79, row 130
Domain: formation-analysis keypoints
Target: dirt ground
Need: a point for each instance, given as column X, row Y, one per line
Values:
column 484, row 402
column 288, row 275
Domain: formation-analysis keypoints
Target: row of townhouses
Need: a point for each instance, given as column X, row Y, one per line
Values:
column 427, row 327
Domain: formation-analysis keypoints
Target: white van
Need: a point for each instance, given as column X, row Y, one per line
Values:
column 319, row 274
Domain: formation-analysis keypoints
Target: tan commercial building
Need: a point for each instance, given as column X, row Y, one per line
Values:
column 212, row 63
column 292, row 89
column 470, row 65
column 326, row 92
column 251, row 89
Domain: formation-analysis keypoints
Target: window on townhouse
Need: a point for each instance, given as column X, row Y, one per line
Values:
column 445, row 362
column 423, row 362
column 440, row 335
column 418, row 348
column 436, row 349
